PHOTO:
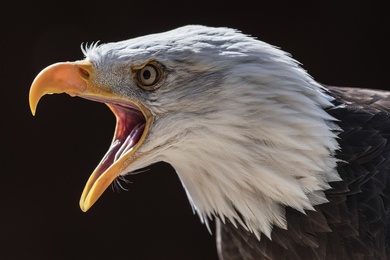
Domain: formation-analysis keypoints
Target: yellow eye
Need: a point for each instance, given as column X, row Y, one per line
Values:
column 149, row 75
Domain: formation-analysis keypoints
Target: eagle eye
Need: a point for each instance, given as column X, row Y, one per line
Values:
column 148, row 76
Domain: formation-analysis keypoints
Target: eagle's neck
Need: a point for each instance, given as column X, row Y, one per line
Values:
column 272, row 146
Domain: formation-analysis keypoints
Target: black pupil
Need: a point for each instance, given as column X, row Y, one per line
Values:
column 146, row 74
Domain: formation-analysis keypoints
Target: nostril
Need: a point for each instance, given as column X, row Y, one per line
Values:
column 84, row 73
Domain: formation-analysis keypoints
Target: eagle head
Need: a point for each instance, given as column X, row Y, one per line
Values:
column 241, row 122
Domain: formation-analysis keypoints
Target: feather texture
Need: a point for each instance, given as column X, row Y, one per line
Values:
column 354, row 224
column 241, row 122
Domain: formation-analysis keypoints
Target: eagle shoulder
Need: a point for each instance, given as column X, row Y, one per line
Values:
column 373, row 100
column 354, row 224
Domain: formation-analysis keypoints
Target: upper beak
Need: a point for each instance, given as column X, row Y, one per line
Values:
column 69, row 77
column 74, row 78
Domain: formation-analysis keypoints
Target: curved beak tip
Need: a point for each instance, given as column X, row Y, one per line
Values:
column 33, row 101
column 62, row 77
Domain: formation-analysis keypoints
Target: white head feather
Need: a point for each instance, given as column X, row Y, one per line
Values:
column 241, row 122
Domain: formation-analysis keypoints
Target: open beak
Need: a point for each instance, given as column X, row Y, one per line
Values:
column 132, row 127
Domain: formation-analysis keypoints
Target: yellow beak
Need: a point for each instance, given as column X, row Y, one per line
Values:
column 71, row 78
column 74, row 78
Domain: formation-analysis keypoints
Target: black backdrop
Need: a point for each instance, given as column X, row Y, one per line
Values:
column 46, row 160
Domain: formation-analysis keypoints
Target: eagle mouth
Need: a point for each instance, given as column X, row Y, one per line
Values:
column 130, row 127
column 133, row 122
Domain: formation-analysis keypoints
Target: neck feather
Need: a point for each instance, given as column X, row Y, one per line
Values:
column 272, row 146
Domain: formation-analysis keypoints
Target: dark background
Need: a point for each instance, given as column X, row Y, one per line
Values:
column 46, row 160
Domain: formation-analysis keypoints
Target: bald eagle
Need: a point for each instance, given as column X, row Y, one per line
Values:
column 289, row 168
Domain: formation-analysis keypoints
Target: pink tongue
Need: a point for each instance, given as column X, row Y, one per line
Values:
column 129, row 129
column 131, row 140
